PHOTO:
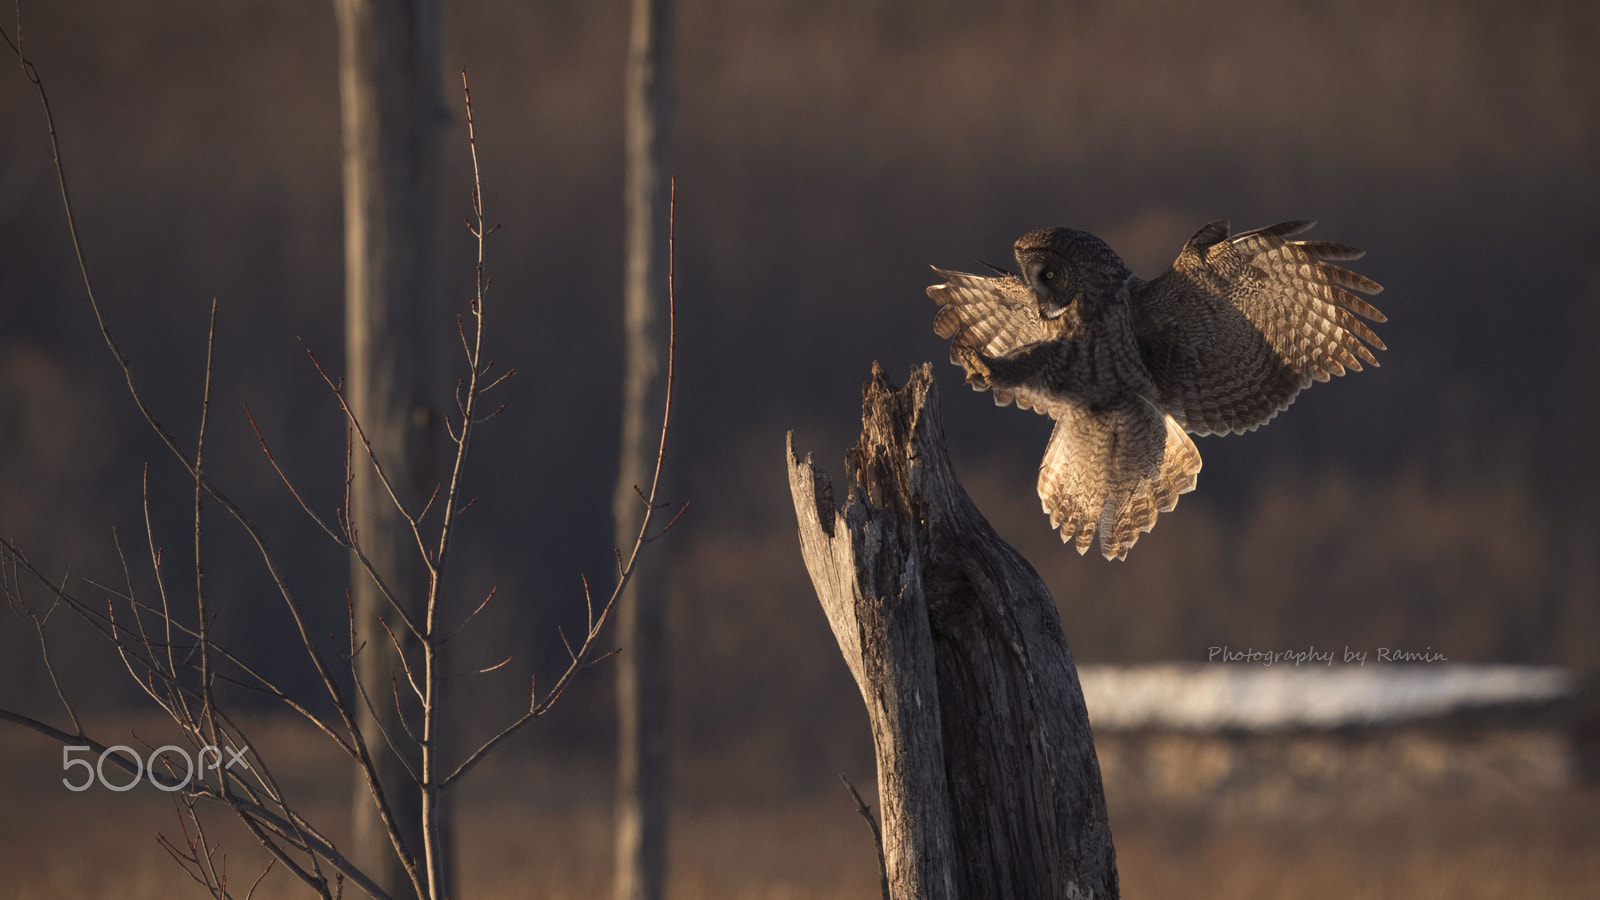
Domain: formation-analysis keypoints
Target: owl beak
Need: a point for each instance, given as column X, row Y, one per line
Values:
column 1047, row 308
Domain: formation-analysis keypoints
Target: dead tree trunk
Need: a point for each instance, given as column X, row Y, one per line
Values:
column 393, row 117
column 987, row 778
column 642, row 775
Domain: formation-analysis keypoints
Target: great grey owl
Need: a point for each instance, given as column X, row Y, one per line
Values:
column 1219, row 343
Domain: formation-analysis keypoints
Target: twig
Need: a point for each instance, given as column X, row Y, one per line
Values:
column 260, row 878
column 14, row 594
column 582, row 657
column 208, row 702
column 155, row 653
column 470, row 616
column 330, row 684
column 877, row 836
column 405, row 665
column 366, row 699
column 337, row 389
column 497, row 665
column 289, row 484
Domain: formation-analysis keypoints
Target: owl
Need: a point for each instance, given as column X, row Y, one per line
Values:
column 1128, row 369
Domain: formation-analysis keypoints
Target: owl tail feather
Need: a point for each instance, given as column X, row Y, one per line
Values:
column 1113, row 471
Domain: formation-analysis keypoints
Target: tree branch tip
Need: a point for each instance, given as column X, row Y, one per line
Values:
column 663, row 532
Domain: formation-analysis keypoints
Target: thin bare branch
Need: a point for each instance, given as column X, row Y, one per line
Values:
column 260, row 878
column 387, row 737
column 50, row 668
column 315, row 842
column 482, row 419
column 675, row 516
column 189, row 859
column 155, row 569
column 207, row 699
column 877, row 836
column 204, row 484
column 470, row 616
column 337, row 390
column 284, row 477
column 588, row 601
column 330, row 684
column 154, row 652
column 537, row 706
column 405, row 665
column 585, row 655
column 109, row 628
column 496, row 383
column 399, row 713
column 429, row 505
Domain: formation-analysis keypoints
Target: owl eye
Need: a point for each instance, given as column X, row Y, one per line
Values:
column 1048, row 275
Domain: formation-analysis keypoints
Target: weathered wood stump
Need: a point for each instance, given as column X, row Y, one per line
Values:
column 987, row 778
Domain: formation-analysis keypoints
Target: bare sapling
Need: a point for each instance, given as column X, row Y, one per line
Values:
column 167, row 646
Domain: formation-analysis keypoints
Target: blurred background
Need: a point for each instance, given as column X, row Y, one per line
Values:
column 826, row 154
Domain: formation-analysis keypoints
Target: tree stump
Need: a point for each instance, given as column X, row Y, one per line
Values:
column 987, row 777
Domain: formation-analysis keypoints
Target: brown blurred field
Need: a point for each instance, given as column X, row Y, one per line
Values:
column 1370, row 826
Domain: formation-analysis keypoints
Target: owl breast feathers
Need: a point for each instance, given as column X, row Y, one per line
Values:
column 1218, row 344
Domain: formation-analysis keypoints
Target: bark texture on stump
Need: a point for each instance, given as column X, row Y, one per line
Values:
column 987, row 778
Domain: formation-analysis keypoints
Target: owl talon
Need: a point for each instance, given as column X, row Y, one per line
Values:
column 977, row 370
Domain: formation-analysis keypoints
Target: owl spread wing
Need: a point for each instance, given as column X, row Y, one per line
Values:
column 1113, row 470
column 994, row 316
column 1108, row 470
column 1240, row 325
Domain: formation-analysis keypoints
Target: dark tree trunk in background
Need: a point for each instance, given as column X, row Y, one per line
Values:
column 393, row 116
column 987, row 777
column 642, row 779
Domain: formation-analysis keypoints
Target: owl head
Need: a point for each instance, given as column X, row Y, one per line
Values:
column 1070, row 270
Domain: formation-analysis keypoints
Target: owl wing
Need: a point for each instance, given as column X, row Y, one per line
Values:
column 1112, row 470
column 1108, row 470
column 1240, row 325
column 992, row 315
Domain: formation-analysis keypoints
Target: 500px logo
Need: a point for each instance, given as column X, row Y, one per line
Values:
column 145, row 769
